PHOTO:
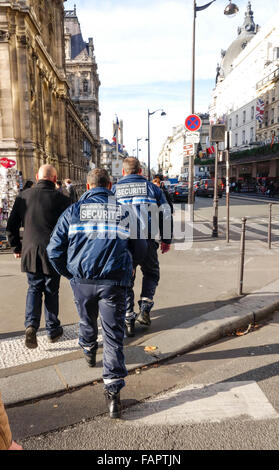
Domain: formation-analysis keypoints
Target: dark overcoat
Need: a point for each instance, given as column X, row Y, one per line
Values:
column 37, row 210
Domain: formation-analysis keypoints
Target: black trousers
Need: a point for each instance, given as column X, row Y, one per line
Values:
column 151, row 275
column 110, row 302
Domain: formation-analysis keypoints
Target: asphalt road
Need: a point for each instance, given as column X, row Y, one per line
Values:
column 197, row 387
column 221, row 397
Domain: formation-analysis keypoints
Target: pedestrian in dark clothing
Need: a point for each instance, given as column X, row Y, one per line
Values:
column 28, row 185
column 154, row 217
column 270, row 189
column 161, row 185
column 70, row 190
column 37, row 209
column 91, row 246
column 59, row 186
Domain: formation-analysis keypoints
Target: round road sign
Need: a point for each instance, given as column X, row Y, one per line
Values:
column 193, row 123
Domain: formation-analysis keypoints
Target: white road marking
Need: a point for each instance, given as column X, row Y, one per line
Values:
column 203, row 403
column 203, row 228
column 247, row 232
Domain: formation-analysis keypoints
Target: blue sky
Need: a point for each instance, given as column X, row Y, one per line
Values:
column 143, row 51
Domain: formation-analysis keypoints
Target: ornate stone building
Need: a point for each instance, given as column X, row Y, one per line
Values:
column 81, row 69
column 39, row 123
column 247, row 84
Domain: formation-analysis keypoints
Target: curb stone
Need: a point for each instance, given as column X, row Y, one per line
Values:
column 186, row 337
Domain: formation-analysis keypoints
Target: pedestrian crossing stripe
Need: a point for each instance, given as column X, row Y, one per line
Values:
column 203, row 403
column 256, row 230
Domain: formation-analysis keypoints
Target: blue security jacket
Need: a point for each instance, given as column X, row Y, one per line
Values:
column 91, row 241
column 153, row 211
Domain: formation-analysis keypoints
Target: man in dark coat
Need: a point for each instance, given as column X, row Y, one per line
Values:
column 70, row 191
column 37, row 209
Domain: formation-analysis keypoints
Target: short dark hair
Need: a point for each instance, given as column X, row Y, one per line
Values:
column 59, row 183
column 98, row 178
column 131, row 166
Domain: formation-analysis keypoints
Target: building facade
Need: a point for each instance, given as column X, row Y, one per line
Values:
column 81, row 70
column 39, row 123
column 110, row 161
column 242, row 124
column 246, row 97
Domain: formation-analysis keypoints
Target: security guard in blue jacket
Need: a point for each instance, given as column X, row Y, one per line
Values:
column 91, row 246
column 153, row 215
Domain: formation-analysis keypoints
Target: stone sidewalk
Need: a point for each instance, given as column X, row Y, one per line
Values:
column 42, row 381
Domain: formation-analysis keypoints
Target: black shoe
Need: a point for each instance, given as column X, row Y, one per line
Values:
column 130, row 328
column 55, row 337
column 144, row 315
column 91, row 358
column 31, row 338
column 114, row 404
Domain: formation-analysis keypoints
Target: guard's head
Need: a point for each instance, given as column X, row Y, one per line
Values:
column 47, row 172
column 131, row 166
column 98, row 178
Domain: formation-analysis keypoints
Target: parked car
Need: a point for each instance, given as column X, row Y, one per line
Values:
column 206, row 188
column 180, row 193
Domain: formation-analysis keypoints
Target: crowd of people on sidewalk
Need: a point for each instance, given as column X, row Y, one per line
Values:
column 97, row 243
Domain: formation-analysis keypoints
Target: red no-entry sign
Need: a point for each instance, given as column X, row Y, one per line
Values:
column 193, row 123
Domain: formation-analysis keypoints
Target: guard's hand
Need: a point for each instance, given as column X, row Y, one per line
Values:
column 165, row 247
column 17, row 255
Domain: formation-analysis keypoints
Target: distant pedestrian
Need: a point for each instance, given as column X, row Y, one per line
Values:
column 27, row 185
column 6, row 441
column 91, row 246
column 37, row 209
column 59, row 186
column 71, row 191
column 270, row 189
column 158, row 182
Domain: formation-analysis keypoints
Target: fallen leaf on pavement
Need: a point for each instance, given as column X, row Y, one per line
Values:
column 150, row 348
column 242, row 331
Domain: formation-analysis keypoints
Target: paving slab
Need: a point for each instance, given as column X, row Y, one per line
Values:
column 30, row 385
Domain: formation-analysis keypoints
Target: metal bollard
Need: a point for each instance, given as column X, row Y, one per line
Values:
column 242, row 256
column 269, row 226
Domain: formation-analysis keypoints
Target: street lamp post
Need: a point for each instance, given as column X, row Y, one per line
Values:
column 148, row 136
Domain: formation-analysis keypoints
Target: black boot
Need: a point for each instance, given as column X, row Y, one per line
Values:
column 144, row 315
column 91, row 358
column 130, row 328
column 114, row 404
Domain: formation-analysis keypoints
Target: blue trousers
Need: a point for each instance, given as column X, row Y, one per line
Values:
column 110, row 301
column 40, row 284
column 150, row 276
